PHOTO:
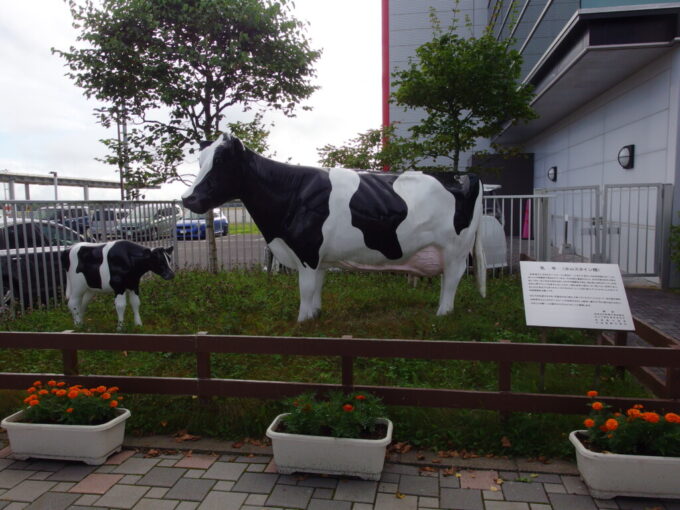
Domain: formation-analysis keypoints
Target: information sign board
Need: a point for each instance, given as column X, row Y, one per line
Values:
column 575, row 295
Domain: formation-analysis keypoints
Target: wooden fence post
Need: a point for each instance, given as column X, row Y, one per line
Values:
column 203, row 370
column 504, row 381
column 347, row 371
column 69, row 358
column 673, row 380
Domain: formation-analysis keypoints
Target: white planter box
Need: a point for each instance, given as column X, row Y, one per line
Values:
column 91, row 444
column 611, row 474
column 329, row 455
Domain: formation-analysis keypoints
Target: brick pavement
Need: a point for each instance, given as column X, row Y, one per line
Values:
column 658, row 308
column 182, row 480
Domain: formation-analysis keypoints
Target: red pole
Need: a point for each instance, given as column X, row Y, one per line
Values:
column 385, row 69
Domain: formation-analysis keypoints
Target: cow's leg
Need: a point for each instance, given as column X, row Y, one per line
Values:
column 134, row 304
column 311, row 281
column 120, row 309
column 85, row 300
column 454, row 267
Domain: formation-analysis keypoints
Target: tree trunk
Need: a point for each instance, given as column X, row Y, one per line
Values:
column 210, row 238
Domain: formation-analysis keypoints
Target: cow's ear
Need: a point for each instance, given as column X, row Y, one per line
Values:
column 147, row 253
column 169, row 250
column 205, row 143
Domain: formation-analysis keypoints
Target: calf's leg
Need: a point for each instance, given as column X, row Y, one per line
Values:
column 75, row 300
column 120, row 309
column 134, row 303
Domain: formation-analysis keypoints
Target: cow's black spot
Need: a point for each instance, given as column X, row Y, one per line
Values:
column 377, row 211
column 90, row 259
column 289, row 203
column 466, row 196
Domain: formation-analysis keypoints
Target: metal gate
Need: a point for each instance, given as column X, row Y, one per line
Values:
column 624, row 224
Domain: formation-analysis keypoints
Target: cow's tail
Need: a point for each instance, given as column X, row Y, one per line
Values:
column 480, row 257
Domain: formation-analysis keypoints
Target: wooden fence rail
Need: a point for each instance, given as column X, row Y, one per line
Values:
column 204, row 385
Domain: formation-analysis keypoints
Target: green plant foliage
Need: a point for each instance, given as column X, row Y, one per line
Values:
column 340, row 415
column 55, row 402
column 375, row 149
column 468, row 88
column 170, row 69
column 675, row 245
column 635, row 432
column 362, row 305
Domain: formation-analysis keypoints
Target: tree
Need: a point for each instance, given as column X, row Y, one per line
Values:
column 170, row 69
column 375, row 149
column 468, row 88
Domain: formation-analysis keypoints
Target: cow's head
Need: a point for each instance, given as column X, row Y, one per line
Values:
column 161, row 262
column 217, row 180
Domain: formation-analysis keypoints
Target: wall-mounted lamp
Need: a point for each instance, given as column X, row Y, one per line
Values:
column 552, row 173
column 626, row 157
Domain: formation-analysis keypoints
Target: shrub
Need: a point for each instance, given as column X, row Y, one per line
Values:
column 341, row 415
column 675, row 245
column 635, row 432
column 56, row 402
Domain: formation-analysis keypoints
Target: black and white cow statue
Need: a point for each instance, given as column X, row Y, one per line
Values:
column 314, row 218
column 113, row 268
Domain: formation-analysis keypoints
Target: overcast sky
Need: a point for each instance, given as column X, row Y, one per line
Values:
column 46, row 124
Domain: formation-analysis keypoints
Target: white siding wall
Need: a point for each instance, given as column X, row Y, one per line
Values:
column 410, row 26
column 642, row 111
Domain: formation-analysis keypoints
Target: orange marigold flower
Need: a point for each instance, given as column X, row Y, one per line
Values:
column 37, row 383
column 113, row 403
column 360, row 397
column 31, row 390
column 611, row 424
column 651, row 417
column 598, row 406
column 34, row 402
column 72, row 394
column 28, row 399
column 589, row 422
column 61, row 383
column 106, row 396
column 113, row 389
column 61, row 393
column 592, row 393
column 672, row 418
column 633, row 413
column 101, row 389
column 43, row 392
column 348, row 408
column 69, row 410
column 638, row 406
column 52, row 383
column 87, row 393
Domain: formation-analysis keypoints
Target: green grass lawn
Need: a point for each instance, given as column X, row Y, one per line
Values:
column 361, row 305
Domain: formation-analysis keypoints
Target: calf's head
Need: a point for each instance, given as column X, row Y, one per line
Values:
column 217, row 181
column 161, row 262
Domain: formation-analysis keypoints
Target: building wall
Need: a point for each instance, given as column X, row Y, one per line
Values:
column 532, row 28
column 642, row 111
column 410, row 26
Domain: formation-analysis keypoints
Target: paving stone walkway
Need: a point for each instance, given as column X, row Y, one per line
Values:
column 182, row 480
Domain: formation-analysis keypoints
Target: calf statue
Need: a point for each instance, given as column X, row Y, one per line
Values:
column 113, row 268
column 315, row 218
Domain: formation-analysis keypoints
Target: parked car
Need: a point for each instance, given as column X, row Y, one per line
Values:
column 30, row 268
column 193, row 226
column 105, row 221
column 149, row 222
column 74, row 217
